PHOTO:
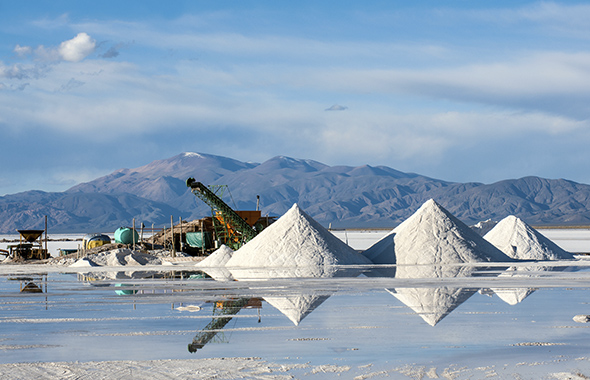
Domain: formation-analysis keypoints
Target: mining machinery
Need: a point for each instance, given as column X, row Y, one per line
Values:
column 232, row 228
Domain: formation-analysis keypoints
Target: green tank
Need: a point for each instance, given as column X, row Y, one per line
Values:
column 126, row 235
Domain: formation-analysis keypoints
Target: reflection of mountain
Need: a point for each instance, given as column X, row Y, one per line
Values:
column 434, row 303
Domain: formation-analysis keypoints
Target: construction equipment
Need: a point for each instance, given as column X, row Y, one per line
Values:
column 232, row 228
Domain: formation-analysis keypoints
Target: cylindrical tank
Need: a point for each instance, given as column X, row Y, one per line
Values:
column 95, row 240
column 126, row 235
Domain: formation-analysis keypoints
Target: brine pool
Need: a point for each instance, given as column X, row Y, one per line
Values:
column 447, row 322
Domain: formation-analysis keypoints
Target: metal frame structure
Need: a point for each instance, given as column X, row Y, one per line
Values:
column 231, row 229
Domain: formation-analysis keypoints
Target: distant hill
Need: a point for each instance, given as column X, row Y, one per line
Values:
column 363, row 196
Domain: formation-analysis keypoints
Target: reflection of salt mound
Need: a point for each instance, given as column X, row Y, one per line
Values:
column 123, row 257
column 433, row 304
column 295, row 240
column 433, row 236
column 214, row 264
column 513, row 296
column 522, row 242
column 296, row 307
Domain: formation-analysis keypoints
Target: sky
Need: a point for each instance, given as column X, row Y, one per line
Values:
column 464, row 91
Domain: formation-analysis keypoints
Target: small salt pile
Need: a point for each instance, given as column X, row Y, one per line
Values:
column 214, row 264
column 522, row 242
column 124, row 257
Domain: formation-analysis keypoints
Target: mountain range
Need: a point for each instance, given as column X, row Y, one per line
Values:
column 341, row 196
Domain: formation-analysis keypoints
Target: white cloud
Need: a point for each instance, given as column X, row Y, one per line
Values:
column 77, row 48
column 22, row 51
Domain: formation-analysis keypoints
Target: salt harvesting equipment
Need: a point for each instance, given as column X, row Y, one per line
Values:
column 232, row 228
column 30, row 246
column 223, row 312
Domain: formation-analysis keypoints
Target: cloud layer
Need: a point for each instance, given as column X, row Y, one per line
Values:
column 423, row 89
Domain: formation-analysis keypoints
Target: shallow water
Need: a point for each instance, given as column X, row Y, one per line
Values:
column 369, row 320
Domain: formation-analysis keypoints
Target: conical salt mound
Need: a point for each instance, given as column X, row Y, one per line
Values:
column 217, row 258
column 522, row 242
column 214, row 264
column 295, row 240
column 432, row 235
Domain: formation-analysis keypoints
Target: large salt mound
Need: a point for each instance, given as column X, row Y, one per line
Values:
column 522, row 242
column 432, row 235
column 295, row 240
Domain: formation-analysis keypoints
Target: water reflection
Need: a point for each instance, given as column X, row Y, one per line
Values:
column 433, row 292
column 223, row 312
column 433, row 304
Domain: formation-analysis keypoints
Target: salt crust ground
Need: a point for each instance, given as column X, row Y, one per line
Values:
column 256, row 368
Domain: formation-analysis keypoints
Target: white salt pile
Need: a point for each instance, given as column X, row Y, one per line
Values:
column 118, row 257
column 432, row 235
column 429, row 244
column 293, row 246
column 522, row 242
column 214, row 264
column 295, row 240
column 84, row 262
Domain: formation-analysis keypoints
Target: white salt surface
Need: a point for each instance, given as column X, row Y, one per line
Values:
column 356, row 333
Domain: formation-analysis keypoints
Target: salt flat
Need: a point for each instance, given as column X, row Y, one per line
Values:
column 136, row 321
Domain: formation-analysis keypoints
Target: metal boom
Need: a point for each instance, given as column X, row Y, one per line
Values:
column 220, row 208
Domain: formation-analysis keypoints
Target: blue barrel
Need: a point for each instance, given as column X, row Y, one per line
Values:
column 126, row 235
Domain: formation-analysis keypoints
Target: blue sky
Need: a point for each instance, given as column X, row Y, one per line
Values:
column 460, row 90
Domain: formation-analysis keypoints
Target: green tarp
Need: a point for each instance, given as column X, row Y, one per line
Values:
column 198, row 239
